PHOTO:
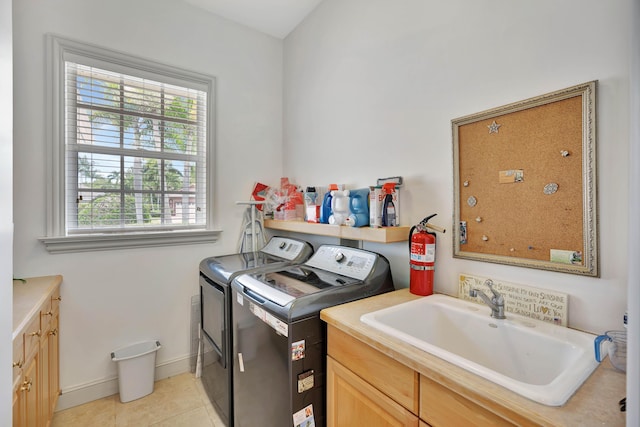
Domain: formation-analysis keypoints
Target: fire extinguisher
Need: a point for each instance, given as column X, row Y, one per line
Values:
column 422, row 250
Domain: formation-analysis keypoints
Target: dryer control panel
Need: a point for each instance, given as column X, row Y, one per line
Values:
column 288, row 249
column 343, row 260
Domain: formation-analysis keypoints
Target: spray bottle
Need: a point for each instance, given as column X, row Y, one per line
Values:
column 388, row 208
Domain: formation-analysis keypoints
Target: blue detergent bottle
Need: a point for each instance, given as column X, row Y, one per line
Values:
column 359, row 206
column 325, row 208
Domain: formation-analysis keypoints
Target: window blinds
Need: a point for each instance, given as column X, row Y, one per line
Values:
column 135, row 152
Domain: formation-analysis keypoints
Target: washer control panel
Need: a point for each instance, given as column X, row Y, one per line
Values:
column 343, row 260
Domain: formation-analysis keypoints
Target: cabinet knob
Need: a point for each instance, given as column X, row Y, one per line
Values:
column 18, row 364
column 48, row 313
column 26, row 385
column 36, row 333
column 58, row 298
column 53, row 332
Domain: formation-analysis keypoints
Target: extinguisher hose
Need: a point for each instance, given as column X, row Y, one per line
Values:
column 411, row 234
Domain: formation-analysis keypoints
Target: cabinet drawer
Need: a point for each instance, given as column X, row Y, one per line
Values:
column 55, row 301
column 18, row 356
column 387, row 375
column 32, row 335
column 45, row 315
column 439, row 406
column 354, row 402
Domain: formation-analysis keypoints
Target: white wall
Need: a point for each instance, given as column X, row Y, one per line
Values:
column 371, row 87
column 115, row 298
column 6, row 213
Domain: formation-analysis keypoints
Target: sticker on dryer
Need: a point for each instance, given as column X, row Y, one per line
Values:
column 305, row 381
column 278, row 325
column 297, row 350
column 304, row 417
column 240, row 299
column 281, row 327
column 257, row 311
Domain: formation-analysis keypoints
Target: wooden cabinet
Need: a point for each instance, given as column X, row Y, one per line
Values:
column 395, row 379
column 354, row 402
column 53, row 368
column 367, row 387
column 49, row 353
column 30, row 391
column 442, row 407
column 36, row 385
column 27, row 391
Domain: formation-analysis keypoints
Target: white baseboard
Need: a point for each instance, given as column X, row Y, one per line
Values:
column 88, row 392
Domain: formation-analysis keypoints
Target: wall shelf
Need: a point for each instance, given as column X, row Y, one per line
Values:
column 378, row 235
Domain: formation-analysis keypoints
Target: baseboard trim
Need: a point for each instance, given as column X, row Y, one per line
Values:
column 88, row 392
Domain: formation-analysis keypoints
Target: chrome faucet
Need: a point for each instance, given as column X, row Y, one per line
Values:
column 496, row 303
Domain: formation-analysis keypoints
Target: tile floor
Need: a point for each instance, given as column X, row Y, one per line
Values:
column 175, row 402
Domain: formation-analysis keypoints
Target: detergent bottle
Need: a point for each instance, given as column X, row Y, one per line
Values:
column 359, row 207
column 325, row 207
column 311, row 208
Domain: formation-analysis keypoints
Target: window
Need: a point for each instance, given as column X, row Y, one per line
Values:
column 131, row 151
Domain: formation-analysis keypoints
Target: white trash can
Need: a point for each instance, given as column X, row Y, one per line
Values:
column 136, row 369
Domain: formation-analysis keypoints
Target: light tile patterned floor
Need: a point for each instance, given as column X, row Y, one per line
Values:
column 175, row 402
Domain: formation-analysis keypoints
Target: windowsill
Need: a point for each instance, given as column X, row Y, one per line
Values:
column 104, row 242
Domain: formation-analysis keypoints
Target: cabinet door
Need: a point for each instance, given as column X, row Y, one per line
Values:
column 30, row 392
column 394, row 379
column 54, row 366
column 351, row 401
column 18, row 403
column 43, row 379
column 30, row 387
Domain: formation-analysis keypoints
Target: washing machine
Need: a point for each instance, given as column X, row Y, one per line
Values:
column 279, row 341
column 216, row 274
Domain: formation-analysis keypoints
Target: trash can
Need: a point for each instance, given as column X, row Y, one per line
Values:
column 136, row 369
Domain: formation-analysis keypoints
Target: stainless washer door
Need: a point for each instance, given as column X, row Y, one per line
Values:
column 214, row 315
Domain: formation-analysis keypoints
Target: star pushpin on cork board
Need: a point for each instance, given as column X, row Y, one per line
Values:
column 493, row 127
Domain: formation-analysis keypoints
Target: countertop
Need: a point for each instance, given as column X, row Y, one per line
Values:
column 594, row 404
column 28, row 298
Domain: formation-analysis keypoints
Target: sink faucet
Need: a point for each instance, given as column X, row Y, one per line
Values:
column 496, row 302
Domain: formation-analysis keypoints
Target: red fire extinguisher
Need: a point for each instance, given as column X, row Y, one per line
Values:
column 422, row 250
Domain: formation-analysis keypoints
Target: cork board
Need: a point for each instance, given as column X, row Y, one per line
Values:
column 524, row 183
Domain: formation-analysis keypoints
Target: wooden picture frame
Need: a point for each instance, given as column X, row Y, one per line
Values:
column 525, row 183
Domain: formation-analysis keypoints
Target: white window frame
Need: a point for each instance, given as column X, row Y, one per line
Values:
column 58, row 240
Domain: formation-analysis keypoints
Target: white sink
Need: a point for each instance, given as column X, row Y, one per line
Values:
column 543, row 362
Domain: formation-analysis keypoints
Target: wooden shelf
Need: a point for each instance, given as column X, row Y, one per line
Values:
column 379, row 235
